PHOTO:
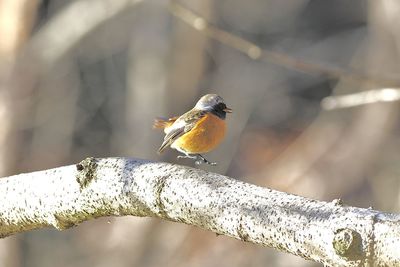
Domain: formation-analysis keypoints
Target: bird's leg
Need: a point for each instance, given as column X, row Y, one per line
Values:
column 203, row 160
column 199, row 159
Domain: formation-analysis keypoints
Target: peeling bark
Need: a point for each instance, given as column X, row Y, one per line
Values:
column 329, row 233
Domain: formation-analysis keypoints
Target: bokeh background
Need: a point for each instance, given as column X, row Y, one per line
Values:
column 87, row 77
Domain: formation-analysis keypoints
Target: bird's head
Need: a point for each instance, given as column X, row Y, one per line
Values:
column 213, row 103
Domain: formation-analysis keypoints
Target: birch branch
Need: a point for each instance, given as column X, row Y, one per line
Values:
column 329, row 233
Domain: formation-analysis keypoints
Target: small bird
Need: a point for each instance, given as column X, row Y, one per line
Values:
column 197, row 131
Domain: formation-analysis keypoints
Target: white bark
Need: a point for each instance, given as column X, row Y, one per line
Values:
column 330, row 233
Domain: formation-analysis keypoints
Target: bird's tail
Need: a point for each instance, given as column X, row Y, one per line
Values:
column 162, row 123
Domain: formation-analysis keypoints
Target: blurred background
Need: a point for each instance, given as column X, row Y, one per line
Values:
column 87, row 77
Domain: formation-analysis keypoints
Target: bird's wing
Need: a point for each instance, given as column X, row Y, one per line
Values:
column 182, row 125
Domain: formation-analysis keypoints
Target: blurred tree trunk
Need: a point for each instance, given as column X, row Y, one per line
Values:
column 16, row 21
column 164, row 72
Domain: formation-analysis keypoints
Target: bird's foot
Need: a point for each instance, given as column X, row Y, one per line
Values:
column 201, row 159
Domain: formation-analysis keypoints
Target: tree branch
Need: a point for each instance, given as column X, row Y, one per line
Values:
column 257, row 53
column 329, row 233
column 361, row 98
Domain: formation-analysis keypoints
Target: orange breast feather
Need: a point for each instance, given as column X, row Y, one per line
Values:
column 205, row 136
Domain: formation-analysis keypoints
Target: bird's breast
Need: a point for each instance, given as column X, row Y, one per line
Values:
column 204, row 136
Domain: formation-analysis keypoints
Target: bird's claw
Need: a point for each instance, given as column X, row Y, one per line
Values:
column 199, row 159
column 204, row 160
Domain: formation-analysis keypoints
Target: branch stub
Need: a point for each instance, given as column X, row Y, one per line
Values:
column 347, row 243
column 86, row 171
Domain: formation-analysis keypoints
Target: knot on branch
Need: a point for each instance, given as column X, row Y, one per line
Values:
column 347, row 243
column 86, row 171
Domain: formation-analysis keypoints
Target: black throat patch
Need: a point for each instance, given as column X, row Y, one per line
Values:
column 218, row 110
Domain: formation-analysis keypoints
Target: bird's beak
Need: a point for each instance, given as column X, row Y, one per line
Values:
column 228, row 110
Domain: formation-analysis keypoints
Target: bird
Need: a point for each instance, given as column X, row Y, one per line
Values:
column 197, row 131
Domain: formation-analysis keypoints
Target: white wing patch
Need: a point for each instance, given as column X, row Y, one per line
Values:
column 176, row 125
